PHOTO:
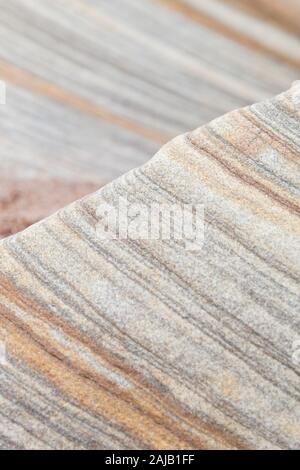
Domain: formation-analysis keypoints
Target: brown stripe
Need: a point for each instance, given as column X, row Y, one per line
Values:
column 82, row 387
column 227, row 439
column 284, row 14
column 286, row 149
column 207, row 21
column 40, row 86
column 293, row 208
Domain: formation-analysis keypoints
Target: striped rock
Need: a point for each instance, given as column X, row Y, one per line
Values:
column 136, row 343
column 95, row 87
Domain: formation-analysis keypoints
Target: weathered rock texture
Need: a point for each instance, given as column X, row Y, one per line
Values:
column 143, row 344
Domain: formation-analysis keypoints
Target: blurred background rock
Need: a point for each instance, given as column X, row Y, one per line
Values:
column 95, row 87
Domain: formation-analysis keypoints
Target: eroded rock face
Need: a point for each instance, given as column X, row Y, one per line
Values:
column 24, row 202
column 136, row 343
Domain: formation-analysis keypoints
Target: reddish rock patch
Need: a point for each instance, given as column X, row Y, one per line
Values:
column 24, row 202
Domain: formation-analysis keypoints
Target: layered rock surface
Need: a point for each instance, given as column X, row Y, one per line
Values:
column 95, row 87
column 132, row 343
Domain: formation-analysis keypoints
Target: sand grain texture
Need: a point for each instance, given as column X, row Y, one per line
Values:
column 131, row 344
column 95, row 87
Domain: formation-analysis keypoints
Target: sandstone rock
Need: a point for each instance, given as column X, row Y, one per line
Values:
column 132, row 343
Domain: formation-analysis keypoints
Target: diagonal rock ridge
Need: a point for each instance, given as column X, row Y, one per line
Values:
column 142, row 343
